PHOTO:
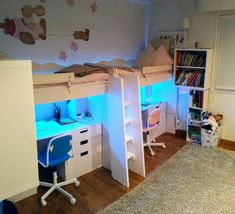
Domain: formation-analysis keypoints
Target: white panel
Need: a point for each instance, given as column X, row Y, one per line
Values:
column 226, row 63
column 19, row 171
column 116, row 130
column 132, row 94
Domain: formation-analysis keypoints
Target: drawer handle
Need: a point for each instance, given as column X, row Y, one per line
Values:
column 84, row 153
column 83, row 142
column 83, row 131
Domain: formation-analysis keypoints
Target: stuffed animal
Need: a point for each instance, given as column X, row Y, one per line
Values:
column 209, row 122
column 25, row 28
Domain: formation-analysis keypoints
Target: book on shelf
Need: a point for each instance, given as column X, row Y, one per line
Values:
column 190, row 59
column 190, row 78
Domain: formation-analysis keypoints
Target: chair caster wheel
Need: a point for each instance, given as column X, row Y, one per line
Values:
column 72, row 200
column 152, row 153
column 76, row 183
column 43, row 203
column 164, row 146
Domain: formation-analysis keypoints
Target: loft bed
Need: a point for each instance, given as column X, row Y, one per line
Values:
column 53, row 82
column 65, row 84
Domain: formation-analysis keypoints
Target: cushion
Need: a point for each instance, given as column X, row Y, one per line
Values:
column 161, row 57
column 157, row 42
column 145, row 57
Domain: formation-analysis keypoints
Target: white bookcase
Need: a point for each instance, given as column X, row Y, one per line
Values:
column 192, row 70
column 19, row 167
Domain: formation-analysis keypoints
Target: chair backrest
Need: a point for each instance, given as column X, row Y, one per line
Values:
column 153, row 119
column 59, row 147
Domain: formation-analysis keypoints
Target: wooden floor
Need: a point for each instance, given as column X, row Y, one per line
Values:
column 98, row 189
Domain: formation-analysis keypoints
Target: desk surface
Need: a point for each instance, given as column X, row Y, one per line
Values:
column 149, row 105
column 46, row 129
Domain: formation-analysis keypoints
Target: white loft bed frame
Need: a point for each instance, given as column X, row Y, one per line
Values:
column 64, row 89
column 122, row 153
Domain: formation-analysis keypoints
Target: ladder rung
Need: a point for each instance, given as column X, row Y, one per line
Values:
column 130, row 155
column 129, row 139
column 129, row 121
column 128, row 103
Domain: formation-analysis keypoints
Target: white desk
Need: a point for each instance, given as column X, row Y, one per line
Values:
column 46, row 129
column 86, row 143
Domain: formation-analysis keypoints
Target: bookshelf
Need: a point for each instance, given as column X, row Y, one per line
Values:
column 192, row 70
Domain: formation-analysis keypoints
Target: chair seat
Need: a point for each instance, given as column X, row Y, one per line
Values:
column 52, row 162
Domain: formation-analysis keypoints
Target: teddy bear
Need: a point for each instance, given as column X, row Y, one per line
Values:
column 25, row 28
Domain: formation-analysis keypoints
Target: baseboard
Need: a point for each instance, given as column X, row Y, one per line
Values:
column 23, row 195
column 227, row 144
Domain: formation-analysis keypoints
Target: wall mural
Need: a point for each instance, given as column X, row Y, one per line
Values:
column 28, row 29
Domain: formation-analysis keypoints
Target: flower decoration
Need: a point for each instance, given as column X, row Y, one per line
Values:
column 93, row 7
column 63, row 55
column 70, row 2
column 74, row 46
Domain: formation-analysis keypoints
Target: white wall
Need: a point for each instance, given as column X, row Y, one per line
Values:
column 116, row 31
column 168, row 16
column 215, row 5
column 204, row 31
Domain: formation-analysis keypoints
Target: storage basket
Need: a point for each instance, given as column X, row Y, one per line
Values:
column 210, row 138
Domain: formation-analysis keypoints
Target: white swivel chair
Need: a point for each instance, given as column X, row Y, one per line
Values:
column 152, row 123
column 56, row 152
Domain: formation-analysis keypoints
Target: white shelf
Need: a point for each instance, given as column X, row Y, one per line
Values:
column 195, row 121
column 195, row 108
column 191, row 140
column 189, row 67
column 130, row 155
column 191, row 87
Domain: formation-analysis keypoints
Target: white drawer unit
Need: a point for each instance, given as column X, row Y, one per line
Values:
column 87, row 157
column 81, row 134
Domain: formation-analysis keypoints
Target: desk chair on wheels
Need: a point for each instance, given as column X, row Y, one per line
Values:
column 57, row 152
column 152, row 123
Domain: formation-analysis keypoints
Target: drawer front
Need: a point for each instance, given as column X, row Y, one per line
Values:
column 83, row 163
column 81, row 134
column 81, row 146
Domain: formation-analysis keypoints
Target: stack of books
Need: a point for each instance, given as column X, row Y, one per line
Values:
column 190, row 78
column 191, row 59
